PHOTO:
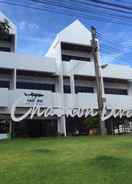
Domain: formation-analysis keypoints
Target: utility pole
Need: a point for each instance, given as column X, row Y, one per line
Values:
column 95, row 52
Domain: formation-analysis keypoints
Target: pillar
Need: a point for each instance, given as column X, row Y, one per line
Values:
column 61, row 120
column 72, row 84
column 61, row 126
column 13, row 86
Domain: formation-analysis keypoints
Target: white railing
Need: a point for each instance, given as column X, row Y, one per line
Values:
column 119, row 102
column 3, row 97
column 27, row 62
column 80, row 100
column 87, row 69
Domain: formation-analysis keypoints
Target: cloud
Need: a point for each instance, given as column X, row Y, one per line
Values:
column 116, row 47
column 28, row 26
column 111, row 58
column 34, row 45
column 106, row 28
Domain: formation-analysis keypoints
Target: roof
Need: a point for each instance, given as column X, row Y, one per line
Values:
column 75, row 33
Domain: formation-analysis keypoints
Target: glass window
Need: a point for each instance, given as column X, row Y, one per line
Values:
column 4, row 84
column 68, row 58
column 116, row 91
column 37, row 86
column 5, row 49
column 67, row 89
column 84, row 89
column 4, row 127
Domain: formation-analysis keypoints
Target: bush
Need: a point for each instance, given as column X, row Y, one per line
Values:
column 91, row 122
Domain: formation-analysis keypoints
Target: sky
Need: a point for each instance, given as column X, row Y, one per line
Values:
column 36, row 31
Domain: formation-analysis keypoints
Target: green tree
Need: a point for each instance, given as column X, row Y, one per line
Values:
column 91, row 122
column 4, row 29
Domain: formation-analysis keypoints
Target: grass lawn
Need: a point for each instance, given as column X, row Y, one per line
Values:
column 72, row 160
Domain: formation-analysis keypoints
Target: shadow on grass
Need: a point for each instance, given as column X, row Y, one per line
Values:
column 43, row 151
column 105, row 161
column 112, row 163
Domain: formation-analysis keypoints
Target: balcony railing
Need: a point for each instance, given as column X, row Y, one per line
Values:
column 50, row 99
column 87, row 69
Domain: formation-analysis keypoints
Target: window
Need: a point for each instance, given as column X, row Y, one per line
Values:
column 5, row 49
column 37, row 86
column 84, row 89
column 68, row 58
column 116, row 91
column 4, row 127
column 4, row 84
column 81, row 89
column 67, row 89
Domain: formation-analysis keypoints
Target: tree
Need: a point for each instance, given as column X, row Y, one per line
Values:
column 92, row 124
column 4, row 29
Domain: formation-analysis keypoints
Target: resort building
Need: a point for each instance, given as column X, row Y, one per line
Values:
column 63, row 79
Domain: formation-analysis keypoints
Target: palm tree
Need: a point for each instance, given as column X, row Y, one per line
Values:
column 4, row 29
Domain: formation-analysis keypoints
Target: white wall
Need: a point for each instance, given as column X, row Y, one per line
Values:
column 3, row 97
column 80, row 100
column 87, row 69
column 119, row 101
column 27, row 62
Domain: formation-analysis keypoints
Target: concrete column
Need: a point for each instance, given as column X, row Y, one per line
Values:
column 62, row 119
column 59, row 67
column 61, row 126
column 72, row 84
column 130, row 88
column 14, row 80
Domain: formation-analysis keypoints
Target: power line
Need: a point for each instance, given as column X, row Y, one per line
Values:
column 81, row 14
column 82, row 2
column 107, row 41
column 80, row 10
column 126, row 2
column 83, row 9
column 102, row 37
column 105, row 46
column 121, row 6
column 103, row 6
column 81, row 5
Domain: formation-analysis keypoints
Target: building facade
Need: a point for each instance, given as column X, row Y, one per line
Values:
column 65, row 79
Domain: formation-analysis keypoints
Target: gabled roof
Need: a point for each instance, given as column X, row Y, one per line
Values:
column 13, row 27
column 76, row 33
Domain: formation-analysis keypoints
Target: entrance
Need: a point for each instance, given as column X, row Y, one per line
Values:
column 76, row 126
column 35, row 128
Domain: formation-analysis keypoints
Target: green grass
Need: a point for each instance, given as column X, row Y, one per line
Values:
column 78, row 160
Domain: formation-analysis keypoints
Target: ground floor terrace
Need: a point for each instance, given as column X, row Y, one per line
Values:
column 52, row 127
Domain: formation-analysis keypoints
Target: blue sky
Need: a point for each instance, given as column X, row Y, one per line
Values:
column 37, row 29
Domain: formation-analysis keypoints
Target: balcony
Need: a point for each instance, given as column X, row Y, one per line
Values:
column 27, row 98
column 3, row 97
column 56, row 100
column 27, row 62
column 119, row 102
column 84, row 68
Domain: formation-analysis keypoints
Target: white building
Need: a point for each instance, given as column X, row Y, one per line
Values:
column 64, row 79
